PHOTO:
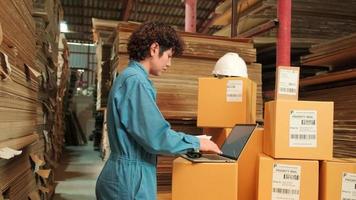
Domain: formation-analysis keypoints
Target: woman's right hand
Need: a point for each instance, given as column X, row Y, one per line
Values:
column 208, row 145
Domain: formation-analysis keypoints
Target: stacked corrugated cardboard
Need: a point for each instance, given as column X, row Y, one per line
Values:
column 47, row 15
column 63, row 74
column 25, row 122
column 103, row 31
column 299, row 134
column 311, row 19
column 103, row 37
column 20, row 109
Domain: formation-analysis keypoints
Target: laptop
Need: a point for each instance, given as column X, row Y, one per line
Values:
column 232, row 147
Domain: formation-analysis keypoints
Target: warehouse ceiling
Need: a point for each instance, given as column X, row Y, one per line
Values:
column 78, row 14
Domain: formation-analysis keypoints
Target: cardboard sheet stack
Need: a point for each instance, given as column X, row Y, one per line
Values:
column 336, row 85
column 47, row 15
column 63, row 74
column 311, row 19
column 26, row 127
column 20, row 109
column 103, row 31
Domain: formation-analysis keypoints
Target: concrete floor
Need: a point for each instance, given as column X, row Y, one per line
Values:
column 77, row 173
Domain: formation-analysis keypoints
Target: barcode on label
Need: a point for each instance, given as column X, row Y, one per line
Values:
column 291, row 177
column 285, row 191
column 303, row 137
column 289, row 90
column 234, row 95
column 308, row 122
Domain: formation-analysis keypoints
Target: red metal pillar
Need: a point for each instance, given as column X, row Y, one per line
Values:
column 190, row 15
column 284, row 11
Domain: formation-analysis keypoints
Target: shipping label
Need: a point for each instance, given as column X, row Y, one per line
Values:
column 288, row 82
column 348, row 191
column 303, row 128
column 286, row 182
column 234, row 91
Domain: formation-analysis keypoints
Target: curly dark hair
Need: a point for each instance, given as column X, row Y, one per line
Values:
column 149, row 33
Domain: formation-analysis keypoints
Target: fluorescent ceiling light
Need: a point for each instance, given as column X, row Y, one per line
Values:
column 81, row 44
column 64, row 27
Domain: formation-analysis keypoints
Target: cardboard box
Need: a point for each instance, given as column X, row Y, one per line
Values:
column 287, row 179
column 248, row 167
column 222, row 103
column 208, row 181
column 219, row 180
column 287, row 83
column 338, row 179
column 299, row 129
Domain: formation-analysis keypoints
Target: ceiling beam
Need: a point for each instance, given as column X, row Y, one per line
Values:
column 204, row 25
column 127, row 6
column 259, row 29
column 90, row 17
column 78, row 32
column 141, row 14
column 90, row 8
column 179, row 6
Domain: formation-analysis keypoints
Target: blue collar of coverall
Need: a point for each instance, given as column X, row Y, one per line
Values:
column 136, row 64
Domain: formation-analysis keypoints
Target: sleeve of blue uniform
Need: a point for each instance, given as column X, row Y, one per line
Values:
column 143, row 120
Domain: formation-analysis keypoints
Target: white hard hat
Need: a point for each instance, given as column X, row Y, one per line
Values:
column 231, row 64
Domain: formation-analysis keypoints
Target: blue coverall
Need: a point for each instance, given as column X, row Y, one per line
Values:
column 137, row 133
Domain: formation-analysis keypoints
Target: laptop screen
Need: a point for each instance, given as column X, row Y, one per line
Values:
column 237, row 140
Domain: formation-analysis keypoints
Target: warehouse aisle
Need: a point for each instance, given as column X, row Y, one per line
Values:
column 77, row 173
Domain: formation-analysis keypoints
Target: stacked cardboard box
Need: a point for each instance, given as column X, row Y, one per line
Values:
column 298, row 134
column 338, row 179
column 222, row 103
column 237, row 180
